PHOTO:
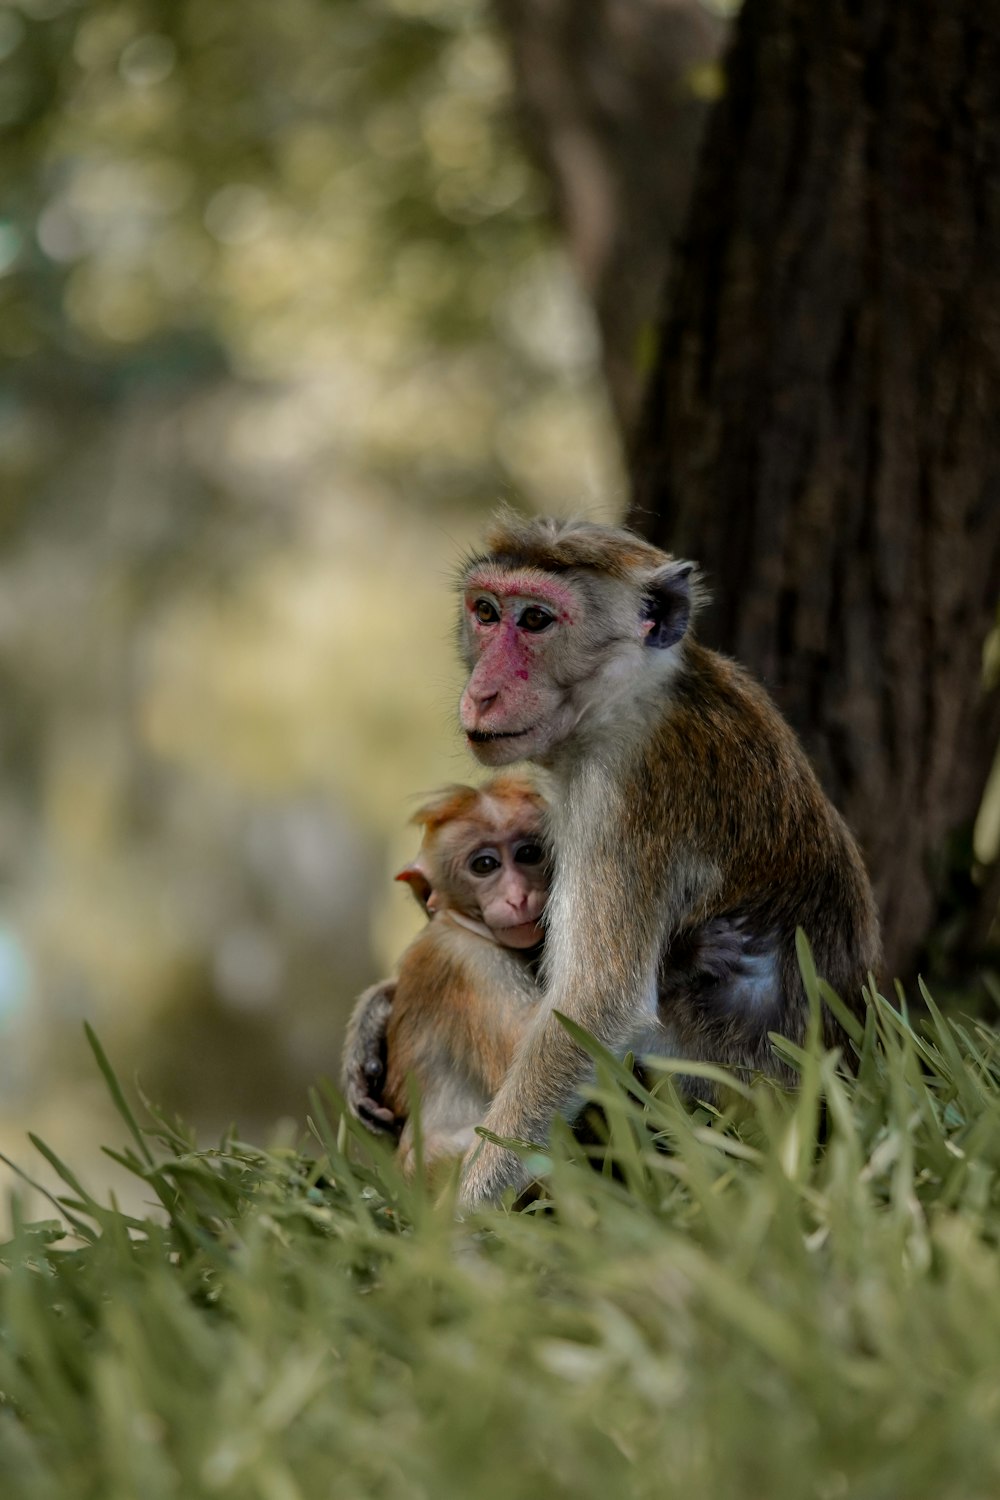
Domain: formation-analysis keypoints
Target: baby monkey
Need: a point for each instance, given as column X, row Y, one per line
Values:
column 466, row 989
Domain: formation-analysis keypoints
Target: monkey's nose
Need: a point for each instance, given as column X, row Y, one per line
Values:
column 476, row 703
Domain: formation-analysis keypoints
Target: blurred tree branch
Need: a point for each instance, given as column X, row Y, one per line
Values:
column 613, row 96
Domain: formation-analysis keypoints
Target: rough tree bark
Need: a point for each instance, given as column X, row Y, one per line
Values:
column 613, row 97
column 822, row 429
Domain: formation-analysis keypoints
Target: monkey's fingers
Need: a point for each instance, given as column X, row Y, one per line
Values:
column 488, row 1171
column 722, row 946
column 378, row 1119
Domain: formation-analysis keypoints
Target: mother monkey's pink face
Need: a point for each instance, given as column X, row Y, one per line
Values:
column 514, row 636
column 554, row 633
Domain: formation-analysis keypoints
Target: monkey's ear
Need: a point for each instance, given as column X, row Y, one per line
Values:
column 416, row 879
column 666, row 605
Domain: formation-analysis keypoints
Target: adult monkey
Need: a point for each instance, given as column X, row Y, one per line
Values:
column 682, row 808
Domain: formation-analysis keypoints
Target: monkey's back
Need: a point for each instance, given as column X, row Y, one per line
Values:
column 735, row 771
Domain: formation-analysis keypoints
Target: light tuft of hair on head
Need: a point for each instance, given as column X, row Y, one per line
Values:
column 550, row 544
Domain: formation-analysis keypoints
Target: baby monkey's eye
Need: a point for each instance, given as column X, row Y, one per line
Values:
column 484, row 863
column 485, row 612
column 529, row 854
column 534, row 618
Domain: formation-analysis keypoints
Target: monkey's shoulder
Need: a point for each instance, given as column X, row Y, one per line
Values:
column 720, row 739
column 724, row 777
column 447, row 965
column 716, row 702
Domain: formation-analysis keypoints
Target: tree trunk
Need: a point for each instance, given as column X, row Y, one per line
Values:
column 613, row 96
column 822, row 430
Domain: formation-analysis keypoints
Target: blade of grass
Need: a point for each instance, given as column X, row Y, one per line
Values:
column 115, row 1090
column 82, row 1229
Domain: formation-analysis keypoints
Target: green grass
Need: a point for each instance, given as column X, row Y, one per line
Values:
column 802, row 1299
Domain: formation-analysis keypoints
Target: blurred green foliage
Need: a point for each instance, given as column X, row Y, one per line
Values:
column 281, row 318
column 320, row 186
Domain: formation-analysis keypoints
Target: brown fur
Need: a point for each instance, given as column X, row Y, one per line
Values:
column 462, row 1002
column 672, row 774
column 556, row 546
column 740, row 786
column 460, row 1008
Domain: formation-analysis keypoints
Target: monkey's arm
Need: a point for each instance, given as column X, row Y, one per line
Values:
column 606, row 987
column 364, row 1061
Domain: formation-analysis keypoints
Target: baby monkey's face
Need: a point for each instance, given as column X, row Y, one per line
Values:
column 484, row 854
column 505, row 875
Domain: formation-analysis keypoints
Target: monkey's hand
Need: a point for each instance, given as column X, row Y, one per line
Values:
column 723, row 947
column 363, row 1069
column 520, row 1112
column 488, row 1171
column 718, row 953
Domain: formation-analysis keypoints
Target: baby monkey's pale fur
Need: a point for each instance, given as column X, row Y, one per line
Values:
column 681, row 807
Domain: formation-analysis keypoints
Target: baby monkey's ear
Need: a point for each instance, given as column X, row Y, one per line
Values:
column 415, row 876
column 668, row 601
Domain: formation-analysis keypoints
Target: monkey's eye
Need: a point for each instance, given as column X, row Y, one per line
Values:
column 485, row 612
column 529, row 854
column 484, row 863
column 535, row 619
